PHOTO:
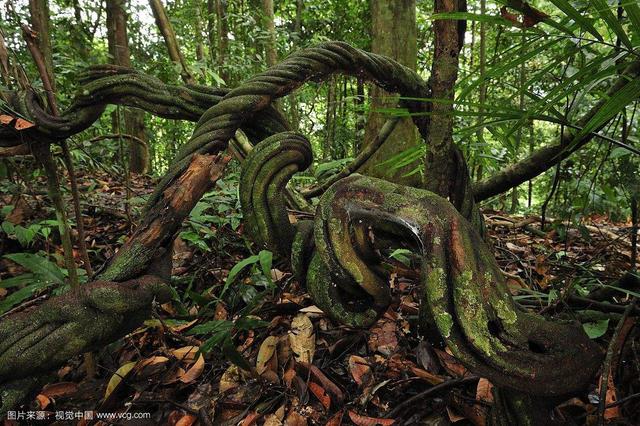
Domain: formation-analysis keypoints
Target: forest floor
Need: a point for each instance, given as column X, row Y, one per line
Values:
column 298, row 367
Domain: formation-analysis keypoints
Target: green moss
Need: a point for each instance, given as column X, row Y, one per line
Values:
column 444, row 321
column 505, row 313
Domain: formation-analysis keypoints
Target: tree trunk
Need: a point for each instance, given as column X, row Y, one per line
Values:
column 482, row 94
column 392, row 20
column 223, row 37
column 39, row 10
column 119, row 51
column 170, row 39
column 449, row 38
column 329, row 124
column 200, row 57
column 270, row 46
column 211, row 30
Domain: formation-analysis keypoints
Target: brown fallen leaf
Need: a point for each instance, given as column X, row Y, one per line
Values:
column 194, row 372
column 295, row 419
column 187, row 420
column 272, row 420
column 453, row 416
column 368, row 421
column 22, row 124
column 183, row 327
column 267, row 358
column 383, row 338
column 451, row 364
column 321, row 394
column 430, row 378
column 251, row 419
column 186, row 354
column 302, row 338
column 43, row 401
column 5, row 119
column 174, row 376
column 317, row 375
column 154, row 360
column 59, row 389
column 288, row 376
column 611, row 396
column 232, row 378
column 484, row 390
column 360, row 370
column 336, row 420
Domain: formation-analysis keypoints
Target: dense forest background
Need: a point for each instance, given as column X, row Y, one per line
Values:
column 540, row 98
column 548, row 76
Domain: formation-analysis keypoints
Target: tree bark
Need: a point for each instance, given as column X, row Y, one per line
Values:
column 330, row 121
column 270, row 26
column 39, row 10
column 170, row 39
column 449, row 38
column 223, row 37
column 211, row 30
column 119, row 51
column 200, row 57
column 392, row 20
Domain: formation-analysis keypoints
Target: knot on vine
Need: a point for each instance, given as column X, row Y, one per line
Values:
column 464, row 296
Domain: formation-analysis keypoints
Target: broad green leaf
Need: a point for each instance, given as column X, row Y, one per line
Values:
column 615, row 104
column 231, row 353
column 401, row 255
column 17, row 281
column 45, row 269
column 604, row 10
column 18, row 296
column 572, row 13
column 596, row 329
column 237, row 269
column 632, row 7
column 266, row 259
column 250, row 323
column 212, row 327
column 499, row 71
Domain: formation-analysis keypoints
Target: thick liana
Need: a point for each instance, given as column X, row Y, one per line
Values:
column 464, row 295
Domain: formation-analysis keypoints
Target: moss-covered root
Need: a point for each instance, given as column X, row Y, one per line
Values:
column 265, row 174
column 11, row 393
column 328, row 297
column 84, row 319
column 465, row 295
column 515, row 408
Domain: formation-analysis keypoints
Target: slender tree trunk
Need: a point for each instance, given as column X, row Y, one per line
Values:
column 223, row 37
column 211, row 30
column 521, row 91
column 170, row 39
column 270, row 46
column 360, row 116
column 392, row 20
column 200, row 56
column 482, row 93
column 119, row 51
column 294, row 114
column 329, row 124
column 449, row 38
column 39, row 10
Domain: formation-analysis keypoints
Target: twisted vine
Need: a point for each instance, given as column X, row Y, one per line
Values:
column 464, row 296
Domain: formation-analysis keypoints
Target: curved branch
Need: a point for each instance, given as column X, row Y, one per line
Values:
column 547, row 157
